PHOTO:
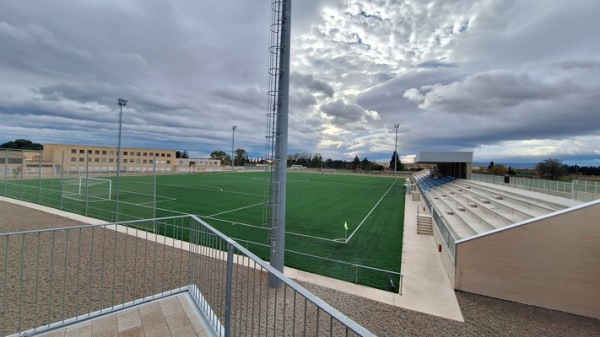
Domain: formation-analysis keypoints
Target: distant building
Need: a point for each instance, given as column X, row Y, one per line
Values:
column 191, row 165
column 103, row 159
column 77, row 159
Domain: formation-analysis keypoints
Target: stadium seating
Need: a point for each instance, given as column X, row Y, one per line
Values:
column 473, row 207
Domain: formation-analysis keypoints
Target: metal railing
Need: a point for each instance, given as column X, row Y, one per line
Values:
column 582, row 190
column 438, row 220
column 351, row 272
column 51, row 278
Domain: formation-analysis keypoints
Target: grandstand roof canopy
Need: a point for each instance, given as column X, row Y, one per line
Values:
column 444, row 157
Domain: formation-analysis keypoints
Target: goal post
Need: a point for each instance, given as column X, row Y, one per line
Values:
column 96, row 187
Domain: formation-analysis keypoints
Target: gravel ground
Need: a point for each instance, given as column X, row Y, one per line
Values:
column 483, row 316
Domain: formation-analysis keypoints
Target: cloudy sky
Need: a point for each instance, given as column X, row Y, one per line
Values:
column 510, row 80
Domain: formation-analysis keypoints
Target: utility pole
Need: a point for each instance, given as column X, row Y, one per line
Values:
column 233, row 128
column 122, row 102
column 396, row 151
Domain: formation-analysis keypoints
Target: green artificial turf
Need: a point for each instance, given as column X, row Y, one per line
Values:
column 318, row 206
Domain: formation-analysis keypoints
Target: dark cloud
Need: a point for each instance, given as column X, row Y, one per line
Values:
column 457, row 75
column 311, row 83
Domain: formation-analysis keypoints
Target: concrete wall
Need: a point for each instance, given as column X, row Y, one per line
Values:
column 552, row 262
column 445, row 255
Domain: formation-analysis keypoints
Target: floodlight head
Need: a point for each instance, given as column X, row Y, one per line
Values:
column 396, row 125
column 234, row 127
column 122, row 102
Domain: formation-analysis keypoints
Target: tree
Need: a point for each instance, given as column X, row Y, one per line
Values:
column 220, row 155
column 395, row 163
column 355, row 163
column 498, row 170
column 184, row 154
column 365, row 164
column 22, row 144
column 240, row 157
column 550, row 168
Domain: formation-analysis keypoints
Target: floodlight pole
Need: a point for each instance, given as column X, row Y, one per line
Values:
column 277, row 235
column 396, row 151
column 122, row 102
column 233, row 128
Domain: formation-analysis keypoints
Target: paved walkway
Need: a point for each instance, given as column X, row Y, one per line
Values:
column 171, row 316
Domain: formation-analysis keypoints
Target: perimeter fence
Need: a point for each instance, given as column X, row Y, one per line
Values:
column 582, row 190
column 57, row 277
column 92, row 191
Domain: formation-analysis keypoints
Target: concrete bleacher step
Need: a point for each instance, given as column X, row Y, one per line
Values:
column 424, row 224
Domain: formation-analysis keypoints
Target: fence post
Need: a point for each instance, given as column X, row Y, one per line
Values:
column 228, row 289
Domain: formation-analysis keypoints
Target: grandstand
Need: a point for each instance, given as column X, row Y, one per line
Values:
column 509, row 243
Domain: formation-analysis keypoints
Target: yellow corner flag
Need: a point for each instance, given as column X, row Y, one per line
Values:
column 346, row 225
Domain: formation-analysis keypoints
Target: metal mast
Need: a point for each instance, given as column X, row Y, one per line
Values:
column 279, row 71
column 122, row 102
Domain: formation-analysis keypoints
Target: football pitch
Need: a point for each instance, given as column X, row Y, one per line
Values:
column 318, row 207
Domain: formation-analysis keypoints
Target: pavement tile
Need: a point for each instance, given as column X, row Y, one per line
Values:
column 179, row 321
column 149, row 307
column 170, row 306
column 79, row 330
column 108, row 322
column 154, row 320
column 129, row 320
column 162, row 332
column 136, row 331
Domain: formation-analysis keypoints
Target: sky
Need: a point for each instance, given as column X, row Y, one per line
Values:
column 509, row 80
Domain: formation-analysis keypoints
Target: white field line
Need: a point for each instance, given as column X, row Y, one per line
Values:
column 313, row 237
column 237, row 209
column 232, row 222
column 371, row 211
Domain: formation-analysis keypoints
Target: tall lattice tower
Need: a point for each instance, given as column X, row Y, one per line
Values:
column 277, row 130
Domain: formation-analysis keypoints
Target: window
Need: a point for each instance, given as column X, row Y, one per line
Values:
column 97, row 152
column 73, row 159
column 104, row 160
column 151, row 161
column 81, row 159
column 124, row 153
column 145, row 154
column 112, row 153
column 96, row 160
column 168, row 162
column 131, row 160
column 73, row 151
column 169, row 155
column 89, row 151
column 82, row 151
column 162, row 154
column 104, row 152
column 111, row 160
column 138, row 154
column 137, row 161
column 124, row 160
column 145, row 161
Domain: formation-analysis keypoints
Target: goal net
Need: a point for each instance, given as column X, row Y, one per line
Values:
column 93, row 188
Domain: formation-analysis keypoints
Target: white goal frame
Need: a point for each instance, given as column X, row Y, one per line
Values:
column 101, row 180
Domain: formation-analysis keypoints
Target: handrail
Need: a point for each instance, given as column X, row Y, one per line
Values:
column 91, row 270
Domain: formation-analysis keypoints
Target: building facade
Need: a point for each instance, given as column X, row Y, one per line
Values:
column 103, row 159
